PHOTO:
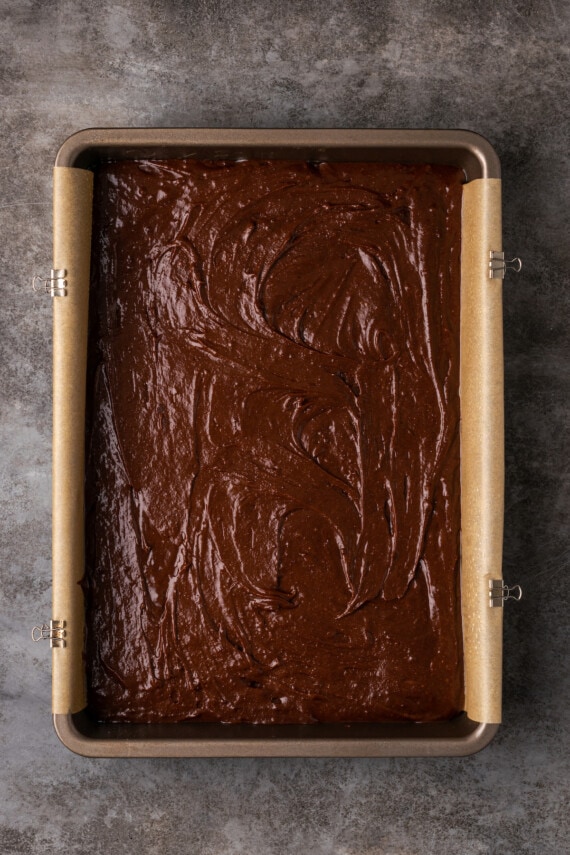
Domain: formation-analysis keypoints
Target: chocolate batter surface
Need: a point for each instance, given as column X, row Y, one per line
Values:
column 272, row 482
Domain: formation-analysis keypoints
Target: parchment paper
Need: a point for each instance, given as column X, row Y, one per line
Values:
column 482, row 456
column 73, row 202
column 482, row 448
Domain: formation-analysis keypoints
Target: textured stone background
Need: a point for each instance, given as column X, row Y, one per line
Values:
column 498, row 68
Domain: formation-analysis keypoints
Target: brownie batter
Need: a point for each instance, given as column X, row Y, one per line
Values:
column 272, row 484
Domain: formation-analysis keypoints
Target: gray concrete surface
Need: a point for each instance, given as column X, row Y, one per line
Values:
column 498, row 68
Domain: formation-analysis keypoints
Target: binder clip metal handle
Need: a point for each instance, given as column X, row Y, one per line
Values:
column 55, row 285
column 54, row 633
column 499, row 593
column 498, row 265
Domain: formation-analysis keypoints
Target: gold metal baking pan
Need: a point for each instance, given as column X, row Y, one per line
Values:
column 482, row 460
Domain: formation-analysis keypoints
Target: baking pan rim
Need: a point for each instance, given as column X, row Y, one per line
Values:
column 475, row 153
column 409, row 740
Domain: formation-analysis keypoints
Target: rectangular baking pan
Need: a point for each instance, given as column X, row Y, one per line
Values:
column 460, row 736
